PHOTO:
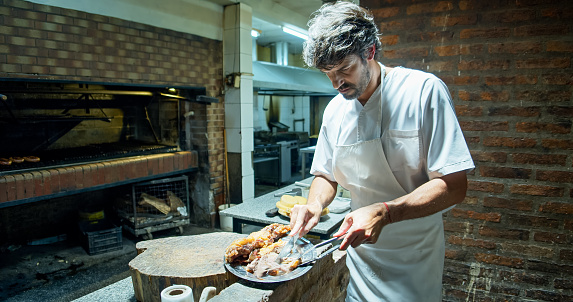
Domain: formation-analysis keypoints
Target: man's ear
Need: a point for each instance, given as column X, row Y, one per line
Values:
column 371, row 52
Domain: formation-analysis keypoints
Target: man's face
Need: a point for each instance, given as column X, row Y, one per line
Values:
column 350, row 78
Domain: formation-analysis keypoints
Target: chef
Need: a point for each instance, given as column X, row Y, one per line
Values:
column 392, row 139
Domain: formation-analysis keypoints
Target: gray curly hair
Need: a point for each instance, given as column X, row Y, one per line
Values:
column 338, row 30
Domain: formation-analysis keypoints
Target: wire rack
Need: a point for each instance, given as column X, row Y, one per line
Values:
column 155, row 205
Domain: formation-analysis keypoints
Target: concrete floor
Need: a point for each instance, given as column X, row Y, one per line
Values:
column 64, row 271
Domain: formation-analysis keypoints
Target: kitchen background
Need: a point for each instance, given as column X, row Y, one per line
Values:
column 507, row 64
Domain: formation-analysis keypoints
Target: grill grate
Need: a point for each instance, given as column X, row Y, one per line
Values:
column 55, row 158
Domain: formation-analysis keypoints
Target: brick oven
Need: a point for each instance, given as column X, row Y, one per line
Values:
column 103, row 103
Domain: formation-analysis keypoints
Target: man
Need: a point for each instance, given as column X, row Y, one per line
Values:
column 392, row 139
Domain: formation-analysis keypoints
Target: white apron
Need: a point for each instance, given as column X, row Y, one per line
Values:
column 406, row 263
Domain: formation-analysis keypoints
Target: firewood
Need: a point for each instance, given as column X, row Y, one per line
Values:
column 174, row 201
column 155, row 202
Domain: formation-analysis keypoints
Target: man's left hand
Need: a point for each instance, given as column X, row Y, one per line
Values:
column 363, row 225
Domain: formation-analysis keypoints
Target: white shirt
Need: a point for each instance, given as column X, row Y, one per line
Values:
column 420, row 133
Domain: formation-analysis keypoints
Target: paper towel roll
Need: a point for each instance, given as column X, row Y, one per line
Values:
column 177, row 293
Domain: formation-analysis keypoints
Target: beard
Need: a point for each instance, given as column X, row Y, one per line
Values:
column 356, row 90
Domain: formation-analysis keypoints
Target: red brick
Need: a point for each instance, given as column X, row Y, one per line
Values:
column 557, row 144
column 87, row 176
column 152, row 165
column 484, row 126
column 511, row 16
column 195, row 159
column 11, row 188
column 536, row 190
column 38, row 183
column 499, row 32
column 100, row 174
column 560, row 111
column 543, row 63
column 20, row 186
column 29, row 185
column 559, row 46
column 539, row 159
column 448, row 21
column 54, row 180
column 130, row 169
column 550, row 237
column 523, row 277
column 492, row 157
column 107, row 172
column 481, row 65
column 114, row 171
column 460, row 80
column 430, row 7
column 456, row 255
column 515, row 111
column 540, row 30
column 456, row 50
column 511, row 80
column 466, row 110
column 78, row 174
column 493, row 217
column 566, row 255
column 533, row 127
column 557, row 79
column 385, row 12
column 505, row 172
column 557, row 207
column 484, row 186
column 509, row 142
column 512, row 204
column 471, row 242
column 531, row 221
column 504, row 233
column 555, row 176
column 499, row 260
column 141, row 167
column 3, row 189
column 406, row 53
column 169, row 162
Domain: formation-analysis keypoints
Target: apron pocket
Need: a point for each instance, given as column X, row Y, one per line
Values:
column 403, row 150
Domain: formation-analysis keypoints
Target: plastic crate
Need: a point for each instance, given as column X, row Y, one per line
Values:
column 101, row 237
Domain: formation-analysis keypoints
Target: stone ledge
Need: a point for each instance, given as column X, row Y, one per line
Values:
column 325, row 282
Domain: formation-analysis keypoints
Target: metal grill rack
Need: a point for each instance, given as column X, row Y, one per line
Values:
column 153, row 206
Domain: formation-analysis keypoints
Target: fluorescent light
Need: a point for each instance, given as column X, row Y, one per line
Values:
column 255, row 33
column 295, row 33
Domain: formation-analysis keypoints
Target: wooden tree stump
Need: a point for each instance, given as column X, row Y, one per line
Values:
column 196, row 261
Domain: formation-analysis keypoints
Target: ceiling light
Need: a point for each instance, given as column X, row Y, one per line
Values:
column 255, row 33
column 296, row 32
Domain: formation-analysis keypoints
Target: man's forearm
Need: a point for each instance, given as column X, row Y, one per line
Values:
column 434, row 196
column 322, row 191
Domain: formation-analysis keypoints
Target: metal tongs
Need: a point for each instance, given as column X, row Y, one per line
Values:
column 329, row 251
column 287, row 248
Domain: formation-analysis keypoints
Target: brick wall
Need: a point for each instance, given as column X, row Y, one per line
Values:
column 508, row 67
column 45, row 42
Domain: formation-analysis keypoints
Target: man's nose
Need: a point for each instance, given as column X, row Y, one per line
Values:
column 336, row 80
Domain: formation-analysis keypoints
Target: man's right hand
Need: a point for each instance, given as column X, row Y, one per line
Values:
column 304, row 217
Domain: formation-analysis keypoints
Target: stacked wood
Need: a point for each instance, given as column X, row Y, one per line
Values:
column 174, row 201
column 160, row 205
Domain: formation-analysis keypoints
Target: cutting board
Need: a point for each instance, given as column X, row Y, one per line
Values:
column 196, row 261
